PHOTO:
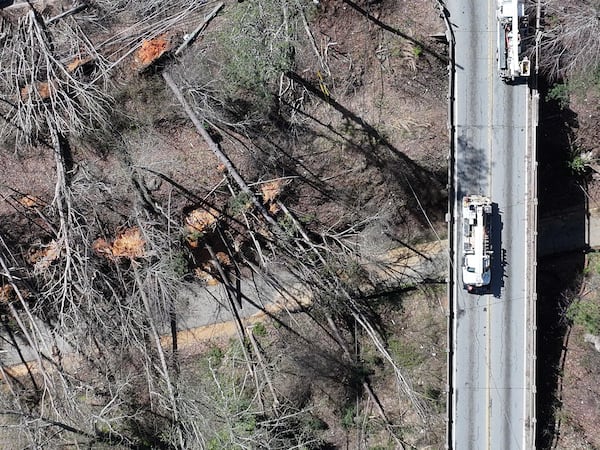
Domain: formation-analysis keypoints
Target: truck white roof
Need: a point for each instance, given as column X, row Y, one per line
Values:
column 476, row 255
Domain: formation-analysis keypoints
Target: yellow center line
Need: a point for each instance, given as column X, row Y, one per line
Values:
column 491, row 74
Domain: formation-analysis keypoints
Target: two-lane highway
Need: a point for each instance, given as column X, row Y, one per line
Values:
column 491, row 384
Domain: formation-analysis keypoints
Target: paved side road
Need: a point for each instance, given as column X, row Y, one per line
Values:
column 203, row 312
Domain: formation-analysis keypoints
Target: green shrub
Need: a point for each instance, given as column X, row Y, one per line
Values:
column 436, row 397
column 579, row 162
column 259, row 329
column 220, row 442
column 348, row 417
column 417, row 50
column 585, row 313
column 433, row 393
column 314, row 423
column 561, row 93
column 247, row 423
column 239, row 204
column 287, row 224
column 577, row 165
column 256, row 47
column 215, row 355
column 179, row 264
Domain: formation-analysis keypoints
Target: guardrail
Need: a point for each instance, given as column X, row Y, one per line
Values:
column 531, row 265
column 450, row 218
column 532, row 218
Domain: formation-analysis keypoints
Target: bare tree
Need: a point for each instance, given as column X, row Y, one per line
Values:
column 221, row 409
column 55, row 70
column 51, row 75
column 570, row 44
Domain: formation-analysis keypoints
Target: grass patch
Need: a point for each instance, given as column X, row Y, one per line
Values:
column 593, row 265
column 585, row 313
column 259, row 329
column 406, row 354
column 348, row 417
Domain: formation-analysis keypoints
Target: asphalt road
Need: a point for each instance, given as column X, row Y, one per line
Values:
column 203, row 310
column 489, row 367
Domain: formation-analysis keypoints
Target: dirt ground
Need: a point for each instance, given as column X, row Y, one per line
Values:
column 393, row 83
column 376, row 122
column 578, row 393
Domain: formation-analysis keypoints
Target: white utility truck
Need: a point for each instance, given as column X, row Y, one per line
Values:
column 512, row 28
column 477, row 251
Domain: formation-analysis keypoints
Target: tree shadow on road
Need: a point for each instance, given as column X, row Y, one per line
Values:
column 473, row 169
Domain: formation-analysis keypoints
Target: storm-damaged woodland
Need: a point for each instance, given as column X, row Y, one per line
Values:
column 160, row 152
column 282, row 155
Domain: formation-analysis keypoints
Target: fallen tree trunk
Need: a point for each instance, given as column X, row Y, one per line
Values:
column 219, row 153
column 198, row 29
